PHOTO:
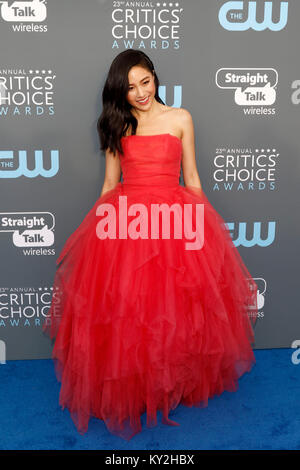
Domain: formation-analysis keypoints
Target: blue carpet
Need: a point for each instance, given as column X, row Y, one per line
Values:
column 264, row 413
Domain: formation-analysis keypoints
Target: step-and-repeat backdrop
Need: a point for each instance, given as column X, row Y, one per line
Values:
column 233, row 64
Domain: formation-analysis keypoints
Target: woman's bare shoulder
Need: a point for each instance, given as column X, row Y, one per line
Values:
column 181, row 119
column 183, row 113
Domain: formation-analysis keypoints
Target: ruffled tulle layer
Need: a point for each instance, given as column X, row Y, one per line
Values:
column 142, row 325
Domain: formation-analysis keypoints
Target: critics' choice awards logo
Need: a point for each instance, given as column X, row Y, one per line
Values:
column 24, row 16
column 243, row 15
column 141, row 25
column 29, row 230
column 26, row 93
column 25, row 306
column 252, row 87
column 14, row 164
column 244, row 169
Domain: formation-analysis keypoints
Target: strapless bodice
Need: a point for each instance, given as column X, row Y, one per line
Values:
column 151, row 159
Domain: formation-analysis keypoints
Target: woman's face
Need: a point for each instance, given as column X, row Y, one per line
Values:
column 141, row 85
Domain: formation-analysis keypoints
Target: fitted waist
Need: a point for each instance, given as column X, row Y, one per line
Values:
column 153, row 180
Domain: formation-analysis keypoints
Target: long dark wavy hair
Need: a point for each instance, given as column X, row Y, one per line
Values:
column 116, row 116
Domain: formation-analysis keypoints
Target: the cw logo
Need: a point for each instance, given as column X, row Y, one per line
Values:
column 23, row 167
column 234, row 22
column 242, row 240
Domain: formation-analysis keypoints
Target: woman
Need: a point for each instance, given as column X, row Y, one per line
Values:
column 148, row 315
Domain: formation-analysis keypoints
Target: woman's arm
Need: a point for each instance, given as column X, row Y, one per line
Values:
column 112, row 171
column 189, row 165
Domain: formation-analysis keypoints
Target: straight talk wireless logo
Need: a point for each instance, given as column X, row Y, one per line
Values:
column 254, row 88
column 24, row 16
column 31, row 231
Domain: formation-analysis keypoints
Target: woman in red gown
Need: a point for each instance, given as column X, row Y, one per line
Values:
column 144, row 319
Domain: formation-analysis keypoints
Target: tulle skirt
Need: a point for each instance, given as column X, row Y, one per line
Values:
column 144, row 324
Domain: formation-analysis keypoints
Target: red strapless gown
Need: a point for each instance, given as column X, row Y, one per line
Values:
column 144, row 324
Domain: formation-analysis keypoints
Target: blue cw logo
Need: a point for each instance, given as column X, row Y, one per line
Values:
column 23, row 167
column 256, row 239
column 235, row 24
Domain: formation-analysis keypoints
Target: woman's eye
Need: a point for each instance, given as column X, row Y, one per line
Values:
column 145, row 83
